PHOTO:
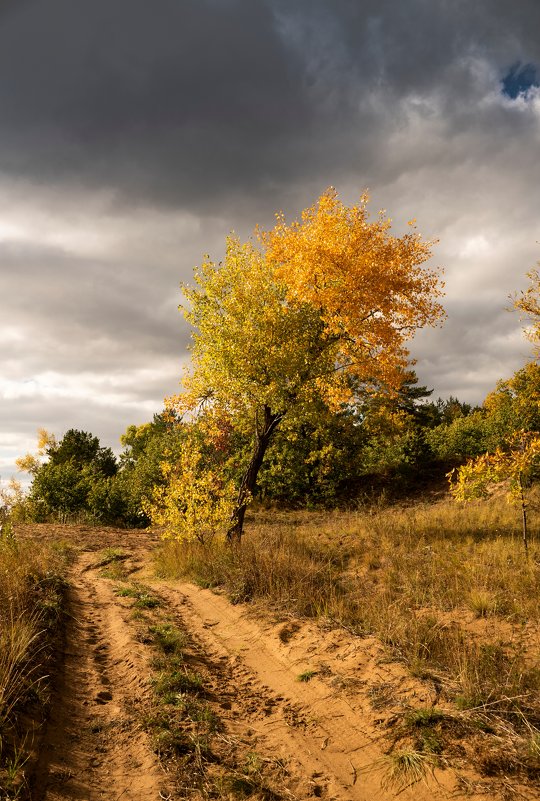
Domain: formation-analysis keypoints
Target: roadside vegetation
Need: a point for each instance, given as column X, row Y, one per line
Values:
column 32, row 586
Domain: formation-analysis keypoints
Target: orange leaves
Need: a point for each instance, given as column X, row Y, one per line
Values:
column 327, row 304
column 370, row 287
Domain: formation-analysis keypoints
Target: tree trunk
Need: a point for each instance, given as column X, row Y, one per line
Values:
column 524, row 518
column 249, row 479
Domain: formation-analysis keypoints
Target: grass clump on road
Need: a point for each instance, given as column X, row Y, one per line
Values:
column 143, row 596
column 112, row 563
column 168, row 638
column 170, row 685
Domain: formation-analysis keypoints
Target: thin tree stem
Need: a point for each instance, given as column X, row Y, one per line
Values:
column 524, row 517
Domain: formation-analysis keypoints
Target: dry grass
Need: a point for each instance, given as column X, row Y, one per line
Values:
column 355, row 566
column 447, row 588
column 31, row 588
column 402, row 768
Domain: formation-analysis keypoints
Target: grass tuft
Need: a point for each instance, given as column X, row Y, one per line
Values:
column 168, row 638
column 405, row 767
column 169, row 686
column 306, row 676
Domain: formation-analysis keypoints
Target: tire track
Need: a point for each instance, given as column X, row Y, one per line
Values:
column 329, row 745
column 94, row 747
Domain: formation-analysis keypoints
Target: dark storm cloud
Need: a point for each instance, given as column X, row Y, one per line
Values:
column 169, row 100
column 199, row 102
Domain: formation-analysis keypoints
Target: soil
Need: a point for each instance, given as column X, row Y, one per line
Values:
column 306, row 710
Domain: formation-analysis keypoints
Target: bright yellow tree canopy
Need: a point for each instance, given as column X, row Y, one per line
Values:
column 323, row 305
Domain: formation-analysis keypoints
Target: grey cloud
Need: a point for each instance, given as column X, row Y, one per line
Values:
column 24, row 417
column 198, row 103
column 84, row 302
column 170, row 101
column 480, row 343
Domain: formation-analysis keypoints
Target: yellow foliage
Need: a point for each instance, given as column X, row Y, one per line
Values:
column 251, row 348
column 329, row 299
column 528, row 302
column 196, row 502
column 510, row 466
column 45, row 440
column 29, row 463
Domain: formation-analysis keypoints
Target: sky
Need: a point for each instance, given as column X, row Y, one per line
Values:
column 135, row 135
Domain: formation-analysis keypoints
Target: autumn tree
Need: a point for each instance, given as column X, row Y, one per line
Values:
column 511, row 466
column 320, row 309
column 75, row 475
column 512, row 422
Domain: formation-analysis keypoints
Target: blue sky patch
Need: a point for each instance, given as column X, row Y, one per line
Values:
column 519, row 78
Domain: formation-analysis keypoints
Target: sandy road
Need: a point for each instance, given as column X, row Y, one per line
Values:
column 94, row 746
column 325, row 734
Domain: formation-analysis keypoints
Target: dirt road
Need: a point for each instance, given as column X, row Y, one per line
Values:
column 290, row 710
column 94, row 746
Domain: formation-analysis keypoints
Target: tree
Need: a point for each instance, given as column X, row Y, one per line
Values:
column 512, row 466
column 314, row 457
column 82, row 449
column 318, row 310
column 513, row 421
column 78, row 477
column 514, row 405
column 461, row 438
column 146, row 447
